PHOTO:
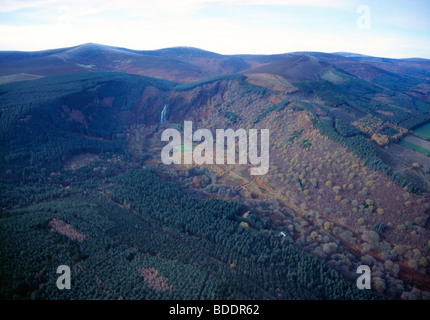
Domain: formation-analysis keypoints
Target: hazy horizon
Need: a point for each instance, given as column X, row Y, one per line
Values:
column 393, row 29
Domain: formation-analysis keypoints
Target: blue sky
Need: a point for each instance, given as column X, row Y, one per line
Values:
column 396, row 29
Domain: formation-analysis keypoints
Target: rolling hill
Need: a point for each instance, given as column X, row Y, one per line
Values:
column 177, row 64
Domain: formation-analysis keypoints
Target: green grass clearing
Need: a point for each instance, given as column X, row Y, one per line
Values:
column 423, row 132
column 183, row 148
column 414, row 147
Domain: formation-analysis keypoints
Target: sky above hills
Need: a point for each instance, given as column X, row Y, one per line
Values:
column 396, row 29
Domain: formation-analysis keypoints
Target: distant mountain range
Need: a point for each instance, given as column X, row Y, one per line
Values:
column 184, row 64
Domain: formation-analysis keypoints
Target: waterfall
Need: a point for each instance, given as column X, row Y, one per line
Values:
column 163, row 114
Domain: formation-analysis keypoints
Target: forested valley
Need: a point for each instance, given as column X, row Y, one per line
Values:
column 81, row 185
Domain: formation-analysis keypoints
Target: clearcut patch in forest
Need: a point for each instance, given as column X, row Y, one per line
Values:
column 80, row 160
column 417, row 144
column 408, row 154
column 418, row 141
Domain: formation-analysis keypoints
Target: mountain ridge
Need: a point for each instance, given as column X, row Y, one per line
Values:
column 182, row 64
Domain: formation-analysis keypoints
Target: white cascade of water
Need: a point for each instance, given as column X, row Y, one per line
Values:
column 163, row 114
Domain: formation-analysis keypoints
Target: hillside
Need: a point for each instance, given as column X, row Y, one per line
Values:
column 80, row 170
column 176, row 64
column 185, row 64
